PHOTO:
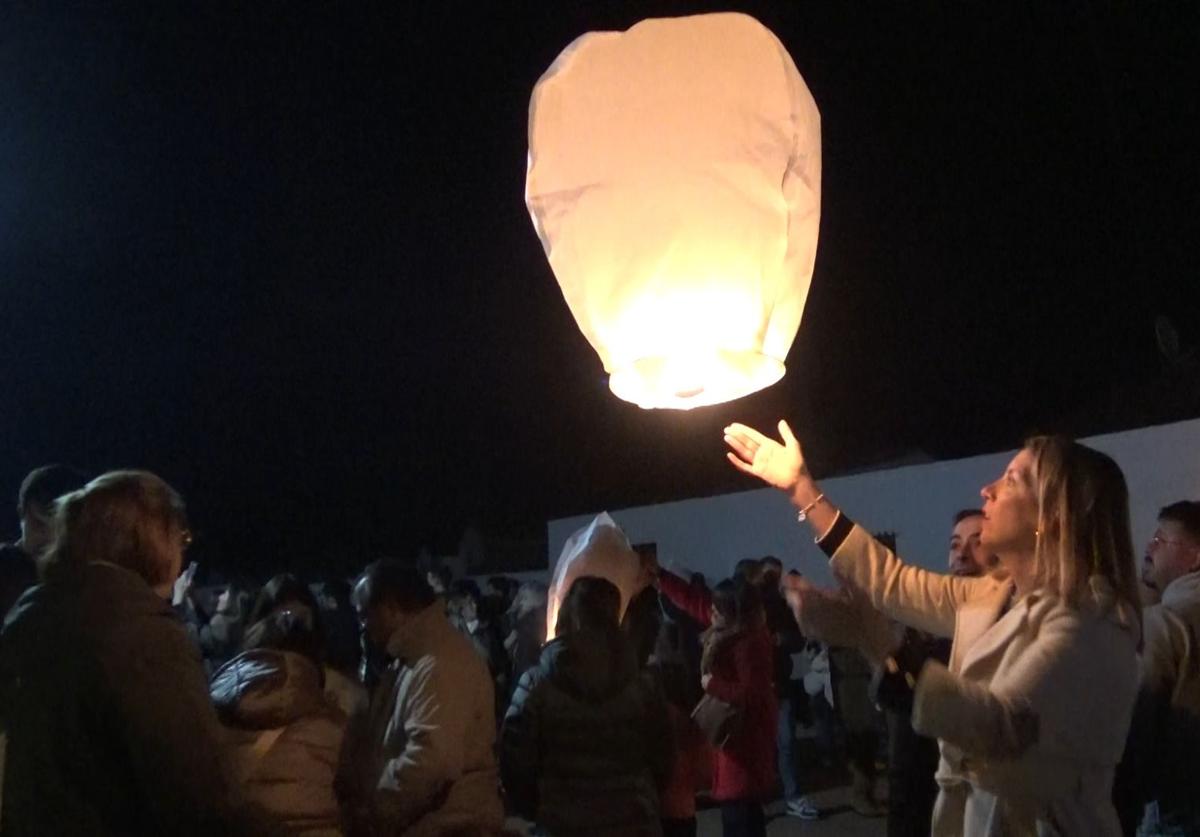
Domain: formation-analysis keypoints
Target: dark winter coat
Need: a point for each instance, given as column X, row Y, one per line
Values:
column 18, row 573
column 109, row 725
column 286, row 737
column 587, row 740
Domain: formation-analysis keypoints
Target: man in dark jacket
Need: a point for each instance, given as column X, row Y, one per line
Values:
column 913, row 759
column 35, row 505
column 587, row 739
column 467, row 601
column 787, row 639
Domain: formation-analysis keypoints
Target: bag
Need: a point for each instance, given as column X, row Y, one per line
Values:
column 718, row 720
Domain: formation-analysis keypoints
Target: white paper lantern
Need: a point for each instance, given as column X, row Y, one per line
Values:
column 675, row 182
column 600, row 549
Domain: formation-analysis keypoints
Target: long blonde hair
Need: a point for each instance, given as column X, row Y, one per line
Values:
column 1083, row 522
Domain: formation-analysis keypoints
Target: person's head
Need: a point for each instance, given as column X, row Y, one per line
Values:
column 770, row 572
column 736, row 605
column 285, row 592
column 335, row 594
column 35, row 503
column 750, row 569
column 439, row 579
column 287, row 630
column 129, row 518
column 1174, row 550
column 502, row 587
column 465, row 598
column 592, row 603
column 531, row 597
column 387, row 596
column 967, row 557
column 1057, row 516
column 236, row 599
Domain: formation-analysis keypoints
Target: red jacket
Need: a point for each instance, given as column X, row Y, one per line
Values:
column 744, row 769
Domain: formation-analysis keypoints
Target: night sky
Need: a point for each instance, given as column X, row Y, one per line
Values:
column 281, row 257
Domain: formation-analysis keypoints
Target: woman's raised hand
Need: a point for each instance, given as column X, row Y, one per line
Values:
column 776, row 464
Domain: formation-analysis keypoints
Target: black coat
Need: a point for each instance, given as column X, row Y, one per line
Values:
column 109, row 724
column 587, row 740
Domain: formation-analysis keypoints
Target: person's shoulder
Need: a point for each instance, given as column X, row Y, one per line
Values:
column 12, row 550
column 453, row 654
column 33, row 608
column 1162, row 627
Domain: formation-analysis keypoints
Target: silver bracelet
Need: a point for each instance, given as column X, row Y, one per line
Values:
column 802, row 515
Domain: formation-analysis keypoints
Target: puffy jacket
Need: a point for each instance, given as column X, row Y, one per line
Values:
column 286, row 736
column 587, row 740
column 109, row 723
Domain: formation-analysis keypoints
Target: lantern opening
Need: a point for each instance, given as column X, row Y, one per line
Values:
column 695, row 378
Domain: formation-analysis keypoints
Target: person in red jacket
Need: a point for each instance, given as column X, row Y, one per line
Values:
column 736, row 667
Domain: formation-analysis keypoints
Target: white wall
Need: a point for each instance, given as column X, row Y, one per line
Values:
column 710, row 534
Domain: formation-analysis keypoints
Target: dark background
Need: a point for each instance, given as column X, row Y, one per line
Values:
column 280, row 256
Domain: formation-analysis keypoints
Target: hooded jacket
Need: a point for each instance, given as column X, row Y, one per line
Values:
column 587, row 740
column 286, row 737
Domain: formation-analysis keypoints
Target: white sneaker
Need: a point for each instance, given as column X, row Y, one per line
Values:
column 802, row 808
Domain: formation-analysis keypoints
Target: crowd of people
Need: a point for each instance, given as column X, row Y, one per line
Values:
column 1046, row 683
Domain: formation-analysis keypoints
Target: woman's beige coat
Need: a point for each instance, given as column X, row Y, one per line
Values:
column 1031, row 714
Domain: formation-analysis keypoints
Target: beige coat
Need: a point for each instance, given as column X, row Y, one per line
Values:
column 429, row 734
column 1031, row 714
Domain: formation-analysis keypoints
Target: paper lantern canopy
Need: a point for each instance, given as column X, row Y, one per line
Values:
column 598, row 549
column 674, row 180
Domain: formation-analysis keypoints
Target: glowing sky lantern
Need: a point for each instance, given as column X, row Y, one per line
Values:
column 675, row 182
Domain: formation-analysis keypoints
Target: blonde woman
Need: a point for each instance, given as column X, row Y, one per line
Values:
column 1032, row 711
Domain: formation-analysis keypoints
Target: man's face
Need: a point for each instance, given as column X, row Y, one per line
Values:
column 771, row 575
column 467, row 609
column 37, row 527
column 966, row 555
column 377, row 622
column 1171, row 553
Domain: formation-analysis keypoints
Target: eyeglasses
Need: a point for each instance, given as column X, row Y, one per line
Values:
column 1158, row 541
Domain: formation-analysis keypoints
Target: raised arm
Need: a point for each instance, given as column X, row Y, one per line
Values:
column 695, row 602
column 917, row 597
